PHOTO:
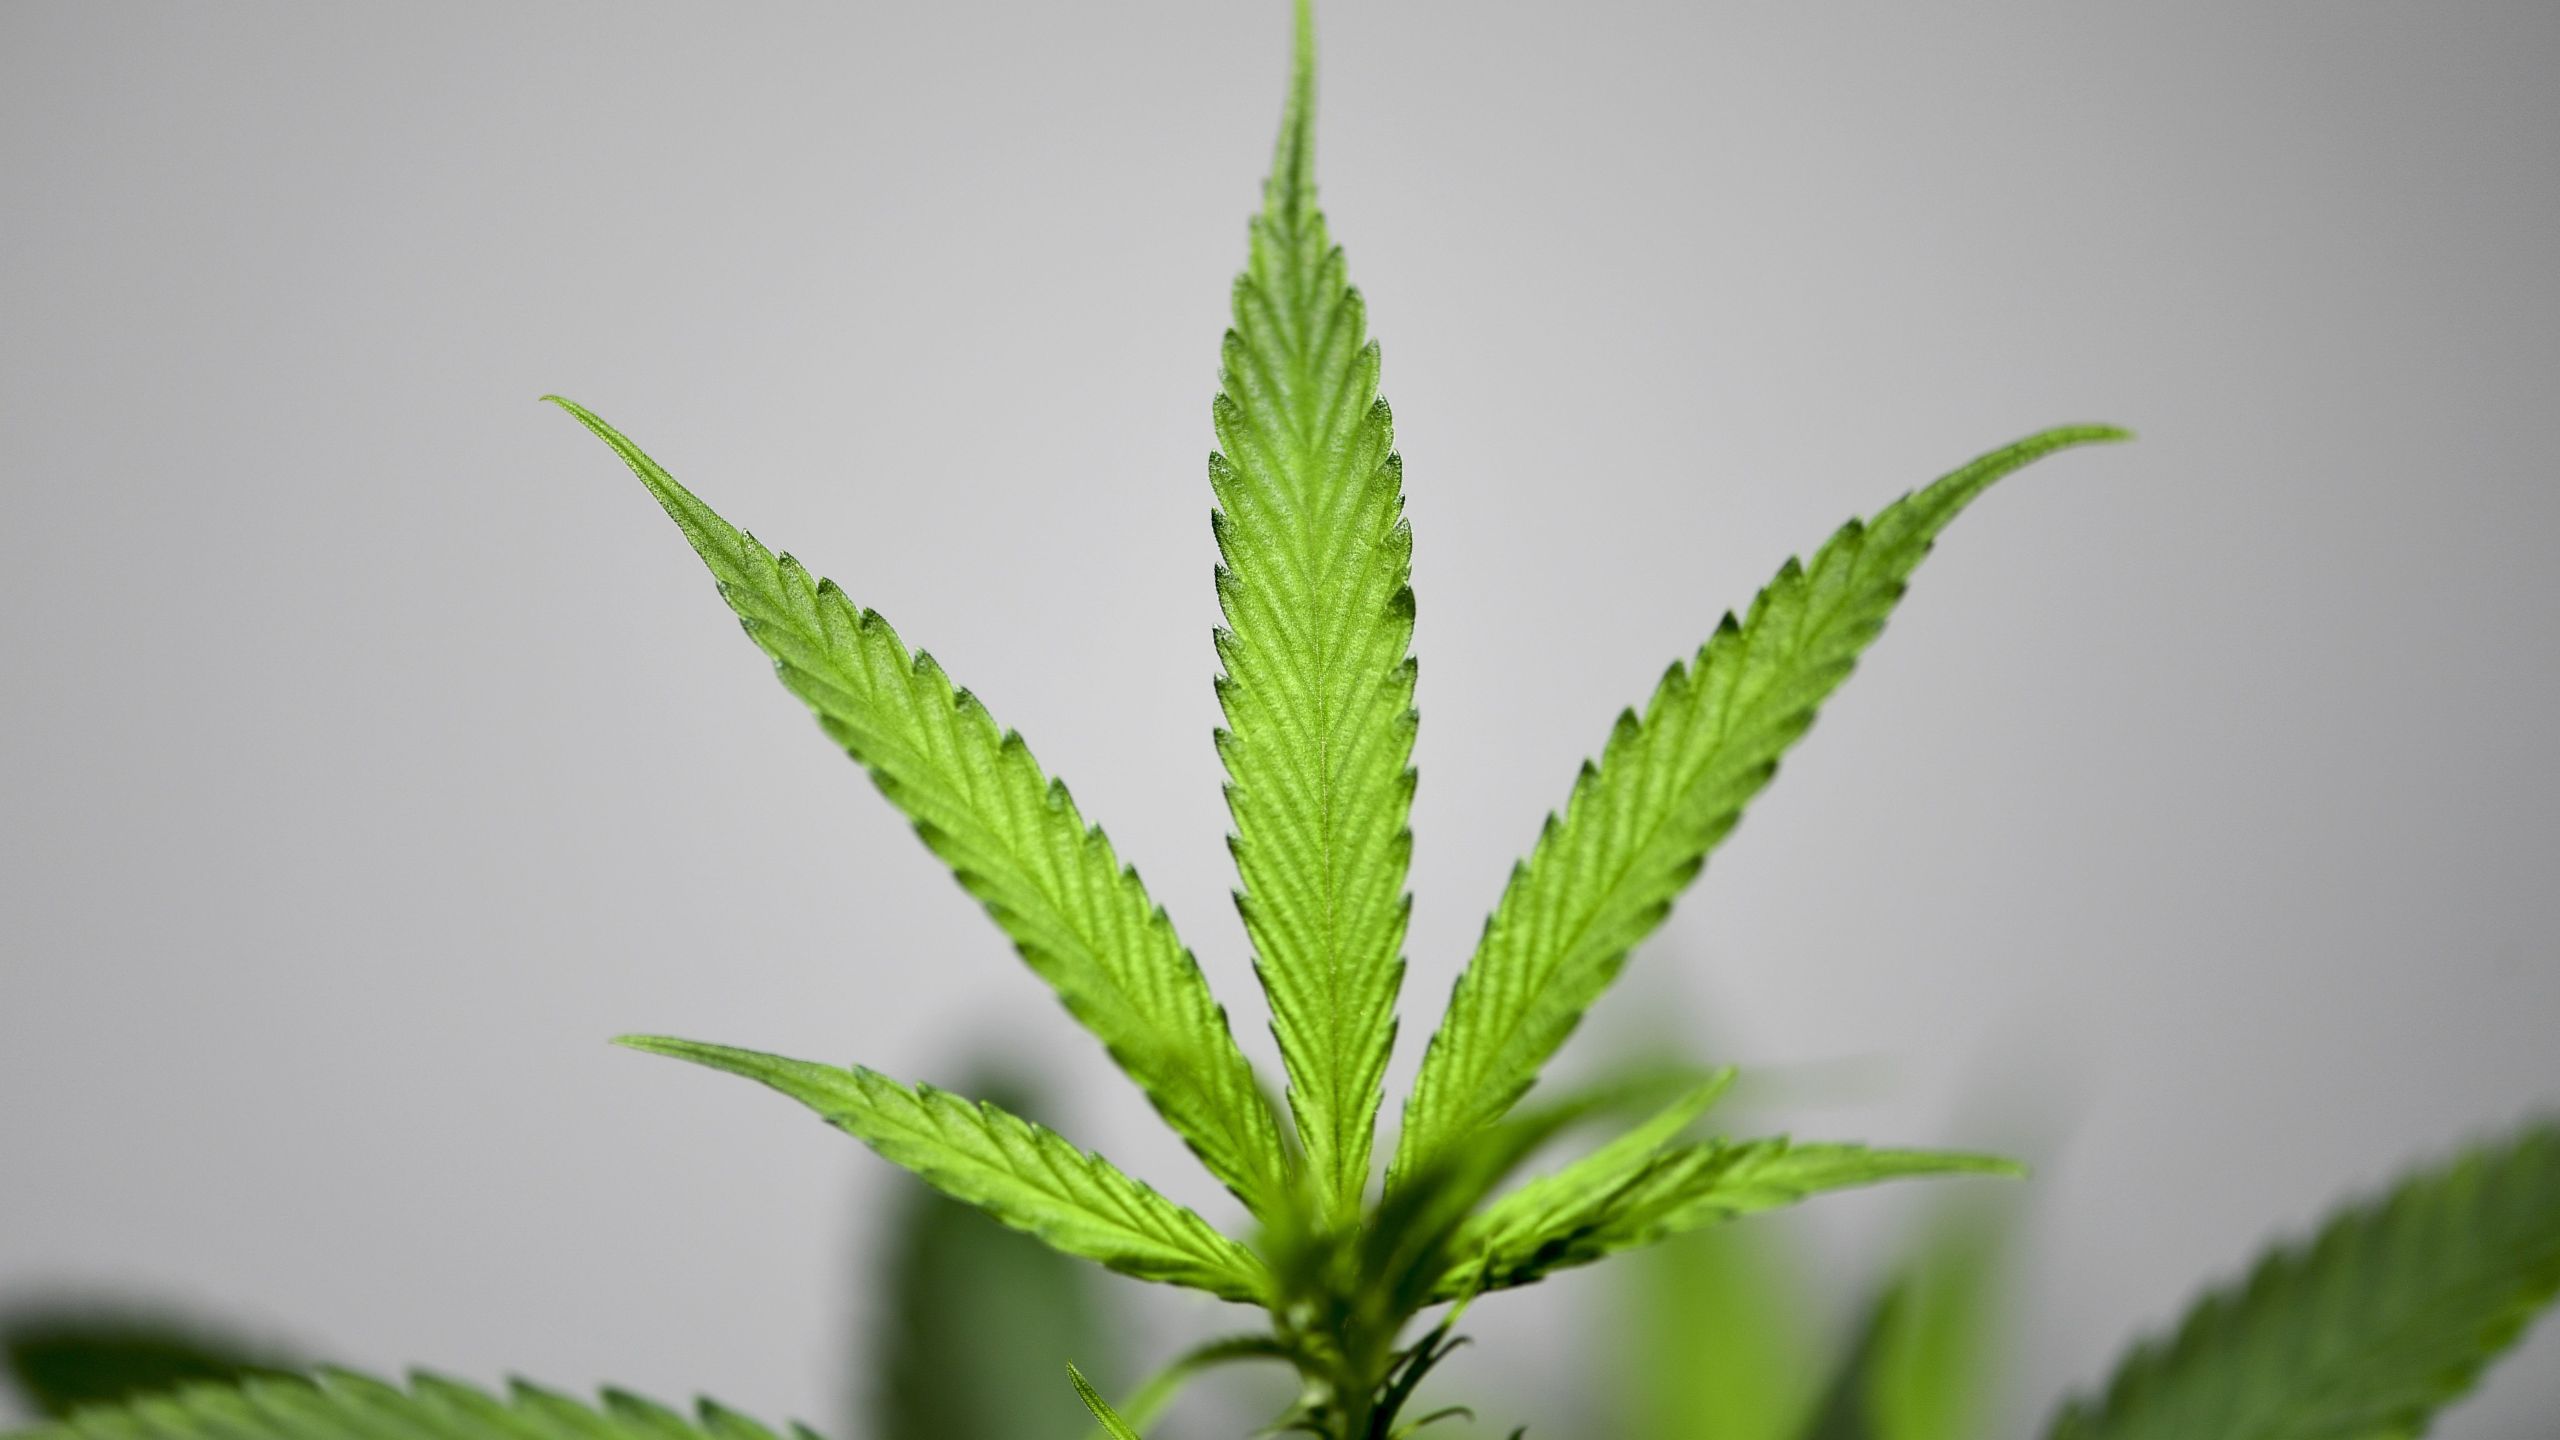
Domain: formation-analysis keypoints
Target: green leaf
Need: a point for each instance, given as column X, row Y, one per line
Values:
column 1846, row 1413
column 1668, row 787
column 1942, row 1326
column 1318, row 684
column 67, row 1356
column 1551, row 1225
column 2388, row 1314
column 1715, row 1343
column 1026, row 1176
column 1012, row 836
column 339, row 1405
column 1112, row 1425
column 974, row 1321
column 1923, row 1365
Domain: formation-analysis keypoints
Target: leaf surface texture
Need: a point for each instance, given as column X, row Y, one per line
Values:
column 1313, row 580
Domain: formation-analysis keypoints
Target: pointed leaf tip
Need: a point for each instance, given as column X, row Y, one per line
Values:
column 655, row 1045
column 1112, row 1425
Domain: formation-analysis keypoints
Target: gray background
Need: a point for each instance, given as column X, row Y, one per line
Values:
column 373, row 749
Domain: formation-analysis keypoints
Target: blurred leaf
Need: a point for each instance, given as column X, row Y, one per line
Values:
column 1716, row 1344
column 1845, row 1412
column 2363, row 1331
column 64, row 1356
column 976, row 1322
column 1937, row 1356
column 1927, row 1351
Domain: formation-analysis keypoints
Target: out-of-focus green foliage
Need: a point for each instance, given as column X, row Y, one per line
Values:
column 1942, row 1328
column 1713, row 1340
column 2364, row 1331
column 1716, row 1340
column 64, row 1356
column 974, row 1321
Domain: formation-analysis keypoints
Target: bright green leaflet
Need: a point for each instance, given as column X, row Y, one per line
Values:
column 1667, row 788
column 1011, row 835
column 340, row 1405
column 1026, row 1176
column 2386, row 1316
column 1318, row 689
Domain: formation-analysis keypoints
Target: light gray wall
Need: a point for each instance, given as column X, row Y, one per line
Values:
column 373, row 749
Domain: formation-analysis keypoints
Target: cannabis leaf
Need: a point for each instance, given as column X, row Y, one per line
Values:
column 1022, row 1174
column 1318, row 689
column 2388, row 1314
column 341, row 1405
column 1668, row 787
column 1012, row 836
column 1580, row 1215
column 1317, row 693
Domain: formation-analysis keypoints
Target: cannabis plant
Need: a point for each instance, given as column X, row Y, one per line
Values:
column 1318, row 694
column 1360, row 1271
column 1319, row 734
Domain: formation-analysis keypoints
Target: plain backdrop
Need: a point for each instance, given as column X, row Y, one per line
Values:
column 373, row 749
